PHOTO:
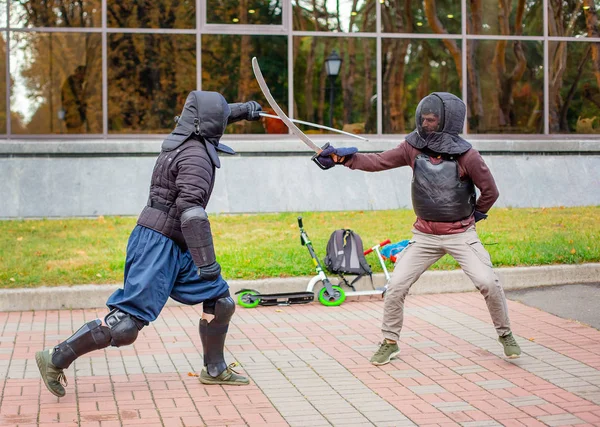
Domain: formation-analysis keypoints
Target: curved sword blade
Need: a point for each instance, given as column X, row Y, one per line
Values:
column 315, row 125
column 285, row 119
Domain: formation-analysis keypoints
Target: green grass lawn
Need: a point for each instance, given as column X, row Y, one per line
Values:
column 80, row 251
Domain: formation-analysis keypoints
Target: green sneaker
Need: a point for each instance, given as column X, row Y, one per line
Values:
column 385, row 353
column 511, row 348
column 53, row 377
column 227, row 377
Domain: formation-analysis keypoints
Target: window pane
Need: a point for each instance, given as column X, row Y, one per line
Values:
column 429, row 16
column 149, row 78
column 56, row 83
column 574, row 87
column 3, row 83
column 227, row 69
column 3, row 22
column 55, row 13
column 506, row 80
column 579, row 18
column 525, row 17
column 354, row 106
column 151, row 14
column 251, row 12
column 412, row 69
column 334, row 15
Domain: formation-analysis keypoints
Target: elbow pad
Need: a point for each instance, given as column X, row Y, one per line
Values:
column 196, row 231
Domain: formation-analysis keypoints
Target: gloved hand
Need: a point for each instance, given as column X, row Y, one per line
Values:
column 331, row 156
column 479, row 216
column 209, row 272
column 254, row 110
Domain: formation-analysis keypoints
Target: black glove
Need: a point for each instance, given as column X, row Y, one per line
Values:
column 254, row 110
column 209, row 272
column 479, row 216
column 344, row 153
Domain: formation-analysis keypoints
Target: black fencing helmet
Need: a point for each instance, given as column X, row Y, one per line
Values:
column 431, row 104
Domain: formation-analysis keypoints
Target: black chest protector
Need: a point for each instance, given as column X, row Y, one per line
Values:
column 438, row 194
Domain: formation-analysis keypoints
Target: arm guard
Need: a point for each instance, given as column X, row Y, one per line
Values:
column 244, row 111
column 196, row 231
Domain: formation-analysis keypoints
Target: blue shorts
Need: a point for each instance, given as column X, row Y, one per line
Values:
column 156, row 269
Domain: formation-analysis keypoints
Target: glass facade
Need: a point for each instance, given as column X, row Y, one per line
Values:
column 106, row 68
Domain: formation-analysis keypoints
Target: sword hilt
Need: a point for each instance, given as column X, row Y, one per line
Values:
column 315, row 157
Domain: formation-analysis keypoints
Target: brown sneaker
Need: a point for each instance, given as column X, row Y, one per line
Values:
column 227, row 377
column 53, row 377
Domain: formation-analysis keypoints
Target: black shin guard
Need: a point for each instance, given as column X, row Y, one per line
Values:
column 213, row 333
column 91, row 336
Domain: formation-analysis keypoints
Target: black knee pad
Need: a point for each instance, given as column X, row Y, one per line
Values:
column 124, row 328
column 224, row 310
column 208, row 306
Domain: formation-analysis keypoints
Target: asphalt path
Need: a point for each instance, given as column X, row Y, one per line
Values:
column 577, row 302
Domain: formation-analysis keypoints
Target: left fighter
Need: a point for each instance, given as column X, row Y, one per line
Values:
column 170, row 252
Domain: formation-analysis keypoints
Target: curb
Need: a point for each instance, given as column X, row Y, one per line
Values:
column 431, row 282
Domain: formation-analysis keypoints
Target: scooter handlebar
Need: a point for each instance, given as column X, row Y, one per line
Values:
column 380, row 245
column 300, row 221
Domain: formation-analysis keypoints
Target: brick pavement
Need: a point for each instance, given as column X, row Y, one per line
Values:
column 309, row 367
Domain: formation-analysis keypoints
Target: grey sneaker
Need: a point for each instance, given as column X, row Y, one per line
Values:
column 227, row 377
column 385, row 353
column 511, row 348
column 53, row 377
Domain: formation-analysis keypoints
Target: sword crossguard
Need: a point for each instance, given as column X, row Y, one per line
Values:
column 315, row 157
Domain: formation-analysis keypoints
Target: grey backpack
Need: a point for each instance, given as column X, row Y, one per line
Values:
column 345, row 254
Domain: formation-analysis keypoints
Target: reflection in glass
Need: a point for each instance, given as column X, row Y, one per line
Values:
column 428, row 16
column 149, row 78
column 412, row 69
column 354, row 106
column 57, row 83
column 227, row 69
column 574, row 87
column 579, row 18
column 151, row 14
column 525, row 17
column 3, row 84
column 3, row 21
column 506, row 81
column 244, row 12
column 334, row 15
column 55, row 13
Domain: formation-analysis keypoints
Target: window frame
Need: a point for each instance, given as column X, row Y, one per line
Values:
column 286, row 28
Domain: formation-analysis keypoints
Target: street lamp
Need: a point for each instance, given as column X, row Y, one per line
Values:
column 332, row 65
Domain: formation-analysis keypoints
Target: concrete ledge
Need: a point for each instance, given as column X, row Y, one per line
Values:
column 282, row 144
column 92, row 296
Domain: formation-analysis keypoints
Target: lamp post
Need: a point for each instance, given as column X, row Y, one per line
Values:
column 332, row 65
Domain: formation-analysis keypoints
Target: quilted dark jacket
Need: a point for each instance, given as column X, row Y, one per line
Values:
column 182, row 178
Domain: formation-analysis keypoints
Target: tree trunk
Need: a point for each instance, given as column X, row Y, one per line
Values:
column 348, row 77
column 438, row 28
column 473, row 85
column 565, row 107
column 559, row 62
column 591, row 21
column 310, row 70
column 506, row 82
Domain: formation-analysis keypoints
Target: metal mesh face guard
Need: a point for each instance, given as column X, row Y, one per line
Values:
column 431, row 104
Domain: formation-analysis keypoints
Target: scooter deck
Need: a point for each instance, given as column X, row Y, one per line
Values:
column 285, row 298
column 379, row 291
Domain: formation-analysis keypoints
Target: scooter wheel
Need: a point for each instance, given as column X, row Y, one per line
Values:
column 245, row 301
column 338, row 297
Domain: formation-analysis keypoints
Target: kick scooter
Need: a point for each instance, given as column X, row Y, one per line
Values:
column 329, row 295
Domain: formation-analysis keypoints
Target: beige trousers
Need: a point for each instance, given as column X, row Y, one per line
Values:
column 425, row 249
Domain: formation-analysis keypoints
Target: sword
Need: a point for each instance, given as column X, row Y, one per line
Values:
column 315, row 125
column 282, row 116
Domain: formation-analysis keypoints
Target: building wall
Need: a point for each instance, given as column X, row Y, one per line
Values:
column 66, row 178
